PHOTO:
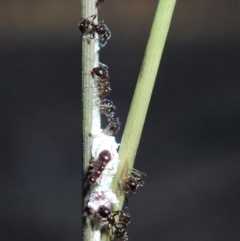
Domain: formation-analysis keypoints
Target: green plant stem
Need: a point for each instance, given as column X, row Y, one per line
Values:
column 89, row 58
column 143, row 91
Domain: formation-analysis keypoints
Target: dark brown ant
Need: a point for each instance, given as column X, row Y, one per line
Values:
column 100, row 74
column 106, row 216
column 121, row 227
column 88, row 27
column 97, row 167
column 134, row 182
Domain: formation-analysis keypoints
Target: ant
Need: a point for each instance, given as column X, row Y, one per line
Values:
column 133, row 182
column 97, row 167
column 109, row 110
column 88, row 27
column 106, row 216
column 121, row 227
column 100, row 74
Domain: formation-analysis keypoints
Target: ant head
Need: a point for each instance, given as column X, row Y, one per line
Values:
column 84, row 25
column 132, row 184
column 125, row 218
column 113, row 127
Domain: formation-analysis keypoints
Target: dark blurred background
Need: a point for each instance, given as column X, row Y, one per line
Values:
column 190, row 143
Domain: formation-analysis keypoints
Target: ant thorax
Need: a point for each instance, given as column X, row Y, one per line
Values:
column 97, row 166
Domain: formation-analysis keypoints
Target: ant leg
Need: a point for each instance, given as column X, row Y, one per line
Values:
column 103, row 65
column 110, row 168
column 88, row 40
column 83, row 177
column 93, row 17
column 89, row 86
column 116, row 213
column 138, row 173
column 126, row 202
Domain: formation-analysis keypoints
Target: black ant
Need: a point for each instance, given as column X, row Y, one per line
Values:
column 88, row 27
column 97, row 167
column 133, row 182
